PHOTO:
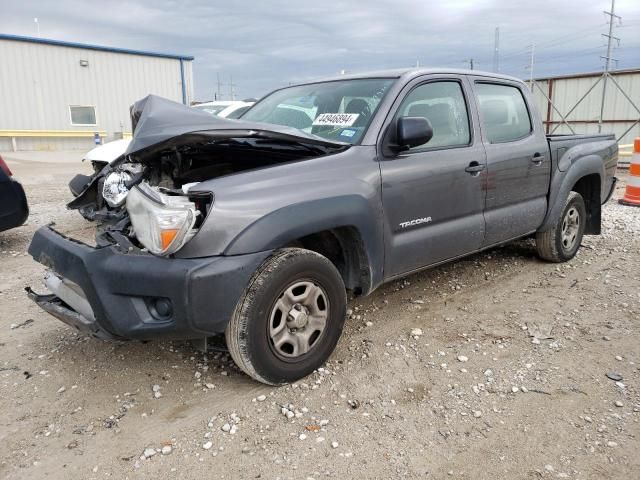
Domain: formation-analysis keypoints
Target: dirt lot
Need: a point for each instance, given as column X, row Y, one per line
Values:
column 493, row 367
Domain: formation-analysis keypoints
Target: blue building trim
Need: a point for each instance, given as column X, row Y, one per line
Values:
column 86, row 46
column 184, row 87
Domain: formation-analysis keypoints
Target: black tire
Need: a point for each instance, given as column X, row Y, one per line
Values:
column 248, row 333
column 554, row 244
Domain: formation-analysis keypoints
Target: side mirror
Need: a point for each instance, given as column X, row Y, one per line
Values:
column 412, row 132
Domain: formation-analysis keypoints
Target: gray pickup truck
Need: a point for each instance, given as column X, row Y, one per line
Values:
column 257, row 228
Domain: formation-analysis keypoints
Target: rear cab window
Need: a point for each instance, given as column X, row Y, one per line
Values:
column 503, row 112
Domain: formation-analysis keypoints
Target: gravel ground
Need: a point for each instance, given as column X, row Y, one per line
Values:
column 496, row 366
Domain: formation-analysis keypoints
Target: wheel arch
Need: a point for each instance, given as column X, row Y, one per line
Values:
column 344, row 247
column 345, row 229
column 585, row 176
column 589, row 187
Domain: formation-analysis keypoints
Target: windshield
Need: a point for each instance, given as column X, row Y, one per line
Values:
column 212, row 109
column 340, row 110
column 238, row 112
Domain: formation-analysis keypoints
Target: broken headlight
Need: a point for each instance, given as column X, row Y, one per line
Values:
column 162, row 223
column 117, row 183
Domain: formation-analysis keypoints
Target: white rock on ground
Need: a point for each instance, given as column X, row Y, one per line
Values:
column 149, row 452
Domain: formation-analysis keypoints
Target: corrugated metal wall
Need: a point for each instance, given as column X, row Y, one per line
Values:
column 619, row 113
column 39, row 82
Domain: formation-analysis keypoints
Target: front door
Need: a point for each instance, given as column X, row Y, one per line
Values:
column 433, row 194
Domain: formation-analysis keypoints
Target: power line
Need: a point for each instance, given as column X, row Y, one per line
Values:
column 562, row 39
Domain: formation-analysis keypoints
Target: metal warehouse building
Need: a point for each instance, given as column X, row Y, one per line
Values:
column 572, row 103
column 58, row 95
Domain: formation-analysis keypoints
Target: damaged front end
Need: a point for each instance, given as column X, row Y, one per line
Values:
column 173, row 149
column 147, row 205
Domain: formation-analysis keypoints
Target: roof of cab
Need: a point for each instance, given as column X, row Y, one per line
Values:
column 409, row 73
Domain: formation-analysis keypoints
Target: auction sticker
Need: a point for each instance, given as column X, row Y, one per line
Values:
column 336, row 119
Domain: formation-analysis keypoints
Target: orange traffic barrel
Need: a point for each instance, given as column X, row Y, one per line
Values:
column 632, row 193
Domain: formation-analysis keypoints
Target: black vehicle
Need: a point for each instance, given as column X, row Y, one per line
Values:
column 13, row 202
column 257, row 227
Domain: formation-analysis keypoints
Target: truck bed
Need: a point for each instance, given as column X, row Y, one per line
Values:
column 565, row 149
column 569, row 140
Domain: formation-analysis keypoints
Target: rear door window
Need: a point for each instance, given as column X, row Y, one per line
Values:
column 503, row 111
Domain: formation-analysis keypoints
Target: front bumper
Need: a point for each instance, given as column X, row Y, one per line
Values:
column 123, row 289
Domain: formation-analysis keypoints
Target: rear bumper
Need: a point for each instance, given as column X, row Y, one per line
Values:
column 14, row 210
column 123, row 289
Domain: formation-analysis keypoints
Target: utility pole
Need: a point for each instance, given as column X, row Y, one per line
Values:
column 496, row 51
column 533, row 51
column 232, row 87
column 217, row 95
column 608, row 58
column 35, row 20
column 470, row 62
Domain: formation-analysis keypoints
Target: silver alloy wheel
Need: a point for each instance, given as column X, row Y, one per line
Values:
column 298, row 318
column 570, row 228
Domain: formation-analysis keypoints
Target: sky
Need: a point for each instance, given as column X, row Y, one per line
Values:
column 265, row 44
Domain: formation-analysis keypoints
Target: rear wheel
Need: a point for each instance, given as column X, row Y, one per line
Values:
column 290, row 317
column 561, row 242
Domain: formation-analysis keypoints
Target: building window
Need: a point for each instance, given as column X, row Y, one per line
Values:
column 82, row 115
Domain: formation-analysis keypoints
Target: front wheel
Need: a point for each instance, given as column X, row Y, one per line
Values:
column 561, row 242
column 290, row 317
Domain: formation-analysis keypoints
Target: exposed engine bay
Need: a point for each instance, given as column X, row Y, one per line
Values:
column 163, row 174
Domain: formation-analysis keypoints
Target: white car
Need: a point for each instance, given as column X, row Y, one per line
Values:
column 108, row 152
column 221, row 108
column 225, row 108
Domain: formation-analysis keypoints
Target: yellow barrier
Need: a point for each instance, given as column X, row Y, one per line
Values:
column 49, row 133
column 625, row 150
column 624, row 155
column 13, row 134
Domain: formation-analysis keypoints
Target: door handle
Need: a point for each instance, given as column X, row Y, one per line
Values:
column 537, row 158
column 474, row 168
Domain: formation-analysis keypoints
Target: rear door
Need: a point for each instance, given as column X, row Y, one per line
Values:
column 518, row 160
column 432, row 194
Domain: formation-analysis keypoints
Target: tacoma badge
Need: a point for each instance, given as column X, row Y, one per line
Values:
column 415, row 221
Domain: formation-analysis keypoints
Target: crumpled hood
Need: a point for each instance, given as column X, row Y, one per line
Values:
column 156, row 121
